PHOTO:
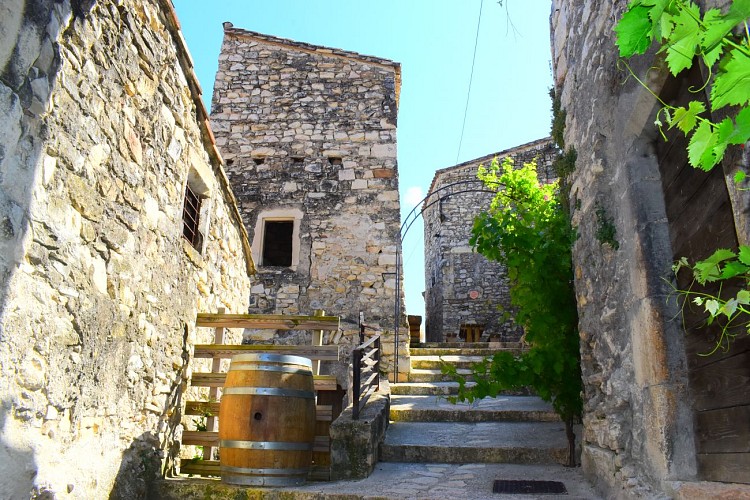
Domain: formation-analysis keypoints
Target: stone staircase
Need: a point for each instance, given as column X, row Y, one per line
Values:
column 426, row 428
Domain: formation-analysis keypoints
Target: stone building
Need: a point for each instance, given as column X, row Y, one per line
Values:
column 103, row 139
column 464, row 291
column 309, row 134
column 657, row 416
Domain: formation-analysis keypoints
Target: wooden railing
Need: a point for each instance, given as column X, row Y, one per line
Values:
column 365, row 369
column 328, row 393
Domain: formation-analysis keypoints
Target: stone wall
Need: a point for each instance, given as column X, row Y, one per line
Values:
column 637, row 415
column 102, row 129
column 355, row 444
column 310, row 134
column 462, row 286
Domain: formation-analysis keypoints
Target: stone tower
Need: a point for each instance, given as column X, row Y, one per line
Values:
column 309, row 135
column 463, row 288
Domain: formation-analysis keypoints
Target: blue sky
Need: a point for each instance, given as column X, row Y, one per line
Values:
column 434, row 42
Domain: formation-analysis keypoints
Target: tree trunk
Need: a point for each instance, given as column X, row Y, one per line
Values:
column 571, row 442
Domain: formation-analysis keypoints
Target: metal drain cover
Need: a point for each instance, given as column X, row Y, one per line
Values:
column 523, row 487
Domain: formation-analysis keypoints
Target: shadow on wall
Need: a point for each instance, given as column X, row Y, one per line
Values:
column 148, row 458
column 139, row 467
column 29, row 63
column 19, row 466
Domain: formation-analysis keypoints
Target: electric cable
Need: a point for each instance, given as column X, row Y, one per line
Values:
column 471, row 78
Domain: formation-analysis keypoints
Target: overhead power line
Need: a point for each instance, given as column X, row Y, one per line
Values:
column 471, row 78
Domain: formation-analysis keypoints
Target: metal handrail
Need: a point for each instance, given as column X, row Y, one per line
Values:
column 365, row 361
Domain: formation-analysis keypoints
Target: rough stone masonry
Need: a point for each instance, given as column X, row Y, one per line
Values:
column 641, row 414
column 103, row 128
column 463, row 288
column 309, row 134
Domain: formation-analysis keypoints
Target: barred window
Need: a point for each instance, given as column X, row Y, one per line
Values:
column 191, row 215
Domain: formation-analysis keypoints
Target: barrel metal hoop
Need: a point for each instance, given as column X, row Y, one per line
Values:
column 270, row 472
column 263, row 481
column 273, row 358
column 272, row 368
column 265, row 445
column 268, row 391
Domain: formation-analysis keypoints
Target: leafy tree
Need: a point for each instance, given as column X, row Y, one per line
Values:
column 527, row 230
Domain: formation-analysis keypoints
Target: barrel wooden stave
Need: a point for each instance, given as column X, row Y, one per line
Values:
column 267, row 420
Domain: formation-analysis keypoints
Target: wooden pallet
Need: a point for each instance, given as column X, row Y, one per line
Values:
column 328, row 393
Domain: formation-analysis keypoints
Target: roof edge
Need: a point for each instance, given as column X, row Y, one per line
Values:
column 202, row 118
column 229, row 29
column 487, row 158
column 309, row 47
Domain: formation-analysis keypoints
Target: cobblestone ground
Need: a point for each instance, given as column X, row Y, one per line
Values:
column 394, row 481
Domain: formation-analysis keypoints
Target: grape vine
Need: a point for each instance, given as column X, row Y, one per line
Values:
column 721, row 40
column 731, row 311
column 684, row 34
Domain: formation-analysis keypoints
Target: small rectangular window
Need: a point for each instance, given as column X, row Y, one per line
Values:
column 191, row 214
column 277, row 243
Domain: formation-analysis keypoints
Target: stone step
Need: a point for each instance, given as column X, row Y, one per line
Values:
column 426, row 388
column 469, row 345
column 482, row 442
column 436, row 362
column 427, row 375
column 499, row 409
column 460, row 351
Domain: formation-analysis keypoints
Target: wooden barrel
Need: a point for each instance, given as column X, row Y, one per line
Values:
column 267, row 420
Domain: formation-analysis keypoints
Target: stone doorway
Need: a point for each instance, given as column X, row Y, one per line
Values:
column 701, row 220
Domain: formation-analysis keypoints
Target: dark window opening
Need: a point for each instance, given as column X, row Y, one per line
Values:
column 191, row 215
column 259, row 160
column 335, row 161
column 277, row 243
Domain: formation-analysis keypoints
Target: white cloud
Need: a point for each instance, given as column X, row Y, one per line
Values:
column 413, row 196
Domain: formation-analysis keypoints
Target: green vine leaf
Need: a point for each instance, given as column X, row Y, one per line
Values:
column 684, row 40
column 660, row 24
column 712, row 306
column 743, row 297
column 700, row 148
column 685, row 119
column 716, row 26
column 634, row 31
column 707, row 270
column 731, row 84
column 744, row 254
column 732, row 269
column 741, row 133
column 729, row 308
